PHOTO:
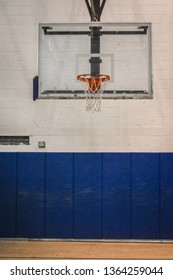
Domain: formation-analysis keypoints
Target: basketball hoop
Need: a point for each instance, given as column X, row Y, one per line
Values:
column 94, row 86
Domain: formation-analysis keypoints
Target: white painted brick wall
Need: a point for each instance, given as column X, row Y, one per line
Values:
column 123, row 125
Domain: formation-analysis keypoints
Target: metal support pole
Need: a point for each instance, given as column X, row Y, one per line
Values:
column 95, row 8
column 95, row 49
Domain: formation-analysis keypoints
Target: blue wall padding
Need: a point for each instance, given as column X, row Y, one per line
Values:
column 86, row 195
column 166, row 195
column 59, row 195
column 30, row 190
column 145, row 195
column 8, row 194
column 116, row 195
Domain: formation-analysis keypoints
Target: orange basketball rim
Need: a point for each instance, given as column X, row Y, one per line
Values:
column 94, row 80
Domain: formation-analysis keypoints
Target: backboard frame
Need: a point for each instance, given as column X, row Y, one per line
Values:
column 142, row 29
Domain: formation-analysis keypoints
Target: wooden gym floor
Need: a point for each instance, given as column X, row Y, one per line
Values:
column 43, row 249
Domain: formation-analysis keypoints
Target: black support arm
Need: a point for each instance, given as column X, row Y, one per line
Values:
column 102, row 6
column 95, row 8
column 89, row 8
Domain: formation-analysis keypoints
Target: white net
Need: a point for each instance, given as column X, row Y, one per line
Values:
column 94, row 97
column 93, row 86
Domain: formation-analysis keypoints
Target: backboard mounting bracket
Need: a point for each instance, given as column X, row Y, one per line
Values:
column 141, row 30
